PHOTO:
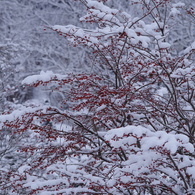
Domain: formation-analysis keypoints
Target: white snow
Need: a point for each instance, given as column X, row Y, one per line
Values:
column 120, row 132
column 191, row 171
column 188, row 72
column 149, row 140
column 43, row 77
column 101, row 6
column 191, row 47
column 164, row 45
column 174, row 12
column 162, row 91
column 18, row 114
column 179, row 4
column 23, row 168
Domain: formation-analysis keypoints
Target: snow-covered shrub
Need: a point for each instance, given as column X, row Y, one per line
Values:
column 129, row 126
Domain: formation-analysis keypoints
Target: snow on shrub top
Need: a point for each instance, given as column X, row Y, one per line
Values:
column 43, row 77
column 148, row 139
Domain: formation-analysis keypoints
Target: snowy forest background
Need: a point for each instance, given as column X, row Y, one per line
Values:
column 91, row 107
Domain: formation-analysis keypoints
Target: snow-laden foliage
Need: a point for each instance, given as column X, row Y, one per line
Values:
column 126, row 128
column 118, row 161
